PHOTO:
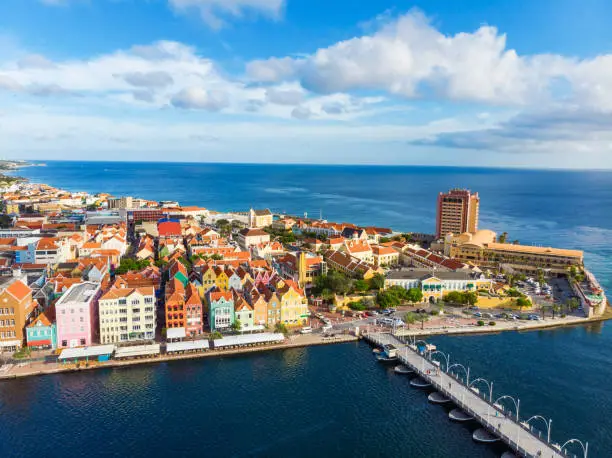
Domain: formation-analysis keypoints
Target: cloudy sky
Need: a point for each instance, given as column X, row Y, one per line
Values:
column 482, row 82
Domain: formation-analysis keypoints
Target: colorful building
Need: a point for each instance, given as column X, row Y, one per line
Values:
column 221, row 313
column 76, row 315
column 293, row 304
column 42, row 331
column 193, row 311
column 17, row 309
column 127, row 315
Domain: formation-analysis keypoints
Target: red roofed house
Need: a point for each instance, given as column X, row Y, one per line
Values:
column 193, row 306
column 16, row 311
column 385, row 256
column 169, row 229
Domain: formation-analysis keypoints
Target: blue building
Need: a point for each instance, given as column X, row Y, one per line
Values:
column 42, row 332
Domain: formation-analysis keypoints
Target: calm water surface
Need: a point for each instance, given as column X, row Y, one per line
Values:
column 331, row 401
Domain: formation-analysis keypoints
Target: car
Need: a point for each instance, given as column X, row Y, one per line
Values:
column 487, row 315
column 478, row 315
column 306, row 330
column 473, row 307
column 327, row 327
column 392, row 309
column 374, row 312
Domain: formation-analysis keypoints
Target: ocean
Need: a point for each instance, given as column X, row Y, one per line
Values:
column 331, row 401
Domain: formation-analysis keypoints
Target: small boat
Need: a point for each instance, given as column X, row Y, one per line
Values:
column 484, row 436
column 459, row 415
column 388, row 354
column 438, row 398
column 419, row 383
column 401, row 369
column 381, row 357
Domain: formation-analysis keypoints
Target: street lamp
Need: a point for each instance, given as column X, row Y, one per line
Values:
column 547, row 423
column 466, row 371
column 585, row 446
column 490, row 387
column 517, row 406
column 445, row 356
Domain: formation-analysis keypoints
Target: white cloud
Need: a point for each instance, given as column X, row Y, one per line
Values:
column 408, row 57
column 213, row 11
column 284, row 97
column 201, row 99
column 148, row 79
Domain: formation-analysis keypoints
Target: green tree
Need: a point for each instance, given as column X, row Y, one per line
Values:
column 357, row 305
column 415, row 295
column 281, row 328
column 556, row 308
column 522, row 302
column 236, row 325
column 216, row 335
column 422, row 317
column 377, row 281
column 361, row 286
column 503, row 237
column 410, row 318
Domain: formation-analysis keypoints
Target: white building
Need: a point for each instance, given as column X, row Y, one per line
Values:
column 127, row 314
column 251, row 237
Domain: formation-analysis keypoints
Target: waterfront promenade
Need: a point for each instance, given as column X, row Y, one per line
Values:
column 27, row 368
column 520, row 439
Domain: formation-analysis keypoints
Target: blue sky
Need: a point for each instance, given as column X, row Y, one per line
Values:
column 493, row 83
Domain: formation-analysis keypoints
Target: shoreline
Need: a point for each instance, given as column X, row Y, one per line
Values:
column 298, row 341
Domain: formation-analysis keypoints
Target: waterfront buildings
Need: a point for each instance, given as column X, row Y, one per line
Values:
column 77, row 315
column 42, row 331
column 127, row 314
column 435, row 285
column 481, row 249
column 457, row 212
column 221, row 312
column 16, row 311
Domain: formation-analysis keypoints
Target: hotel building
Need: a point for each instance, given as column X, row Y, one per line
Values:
column 457, row 212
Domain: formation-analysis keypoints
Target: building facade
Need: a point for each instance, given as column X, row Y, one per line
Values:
column 221, row 313
column 127, row 315
column 76, row 315
column 457, row 212
column 435, row 285
column 16, row 311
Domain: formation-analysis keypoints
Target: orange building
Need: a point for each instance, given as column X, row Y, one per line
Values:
column 16, row 311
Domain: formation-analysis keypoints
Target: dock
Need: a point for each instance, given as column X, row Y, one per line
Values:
column 495, row 422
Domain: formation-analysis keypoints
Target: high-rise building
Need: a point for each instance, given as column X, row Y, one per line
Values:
column 457, row 212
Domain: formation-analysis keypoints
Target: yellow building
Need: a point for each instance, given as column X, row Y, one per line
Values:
column 435, row 285
column 11, row 209
column 481, row 249
column 260, row 218
column 293, row 303
column 221, row 279
column 209, row 278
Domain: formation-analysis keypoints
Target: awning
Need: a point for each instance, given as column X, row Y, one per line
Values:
column 38, row 343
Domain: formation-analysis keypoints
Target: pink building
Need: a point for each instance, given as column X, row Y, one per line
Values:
column 76, row 315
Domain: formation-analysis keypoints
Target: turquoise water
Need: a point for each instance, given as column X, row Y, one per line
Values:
column 331, row 401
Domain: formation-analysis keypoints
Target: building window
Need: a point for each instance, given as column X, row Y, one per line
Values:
column 64, row 343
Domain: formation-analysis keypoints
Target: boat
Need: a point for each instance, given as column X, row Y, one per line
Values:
column 381, row 357
column 419, row 383
column 484, row 436
column 376, row 351
column 459, row 415
column 388, row 354
column 438, row 398
column 401, row 369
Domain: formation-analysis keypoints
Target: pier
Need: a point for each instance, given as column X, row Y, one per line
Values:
column 516, row 434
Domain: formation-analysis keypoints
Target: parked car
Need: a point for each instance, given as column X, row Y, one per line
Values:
column 327, row 327
column 478, row 315
column 306, row 330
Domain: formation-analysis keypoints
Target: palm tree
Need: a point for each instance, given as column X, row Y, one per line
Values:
column 422, row 317
column 410, row 318
column 556, row 308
